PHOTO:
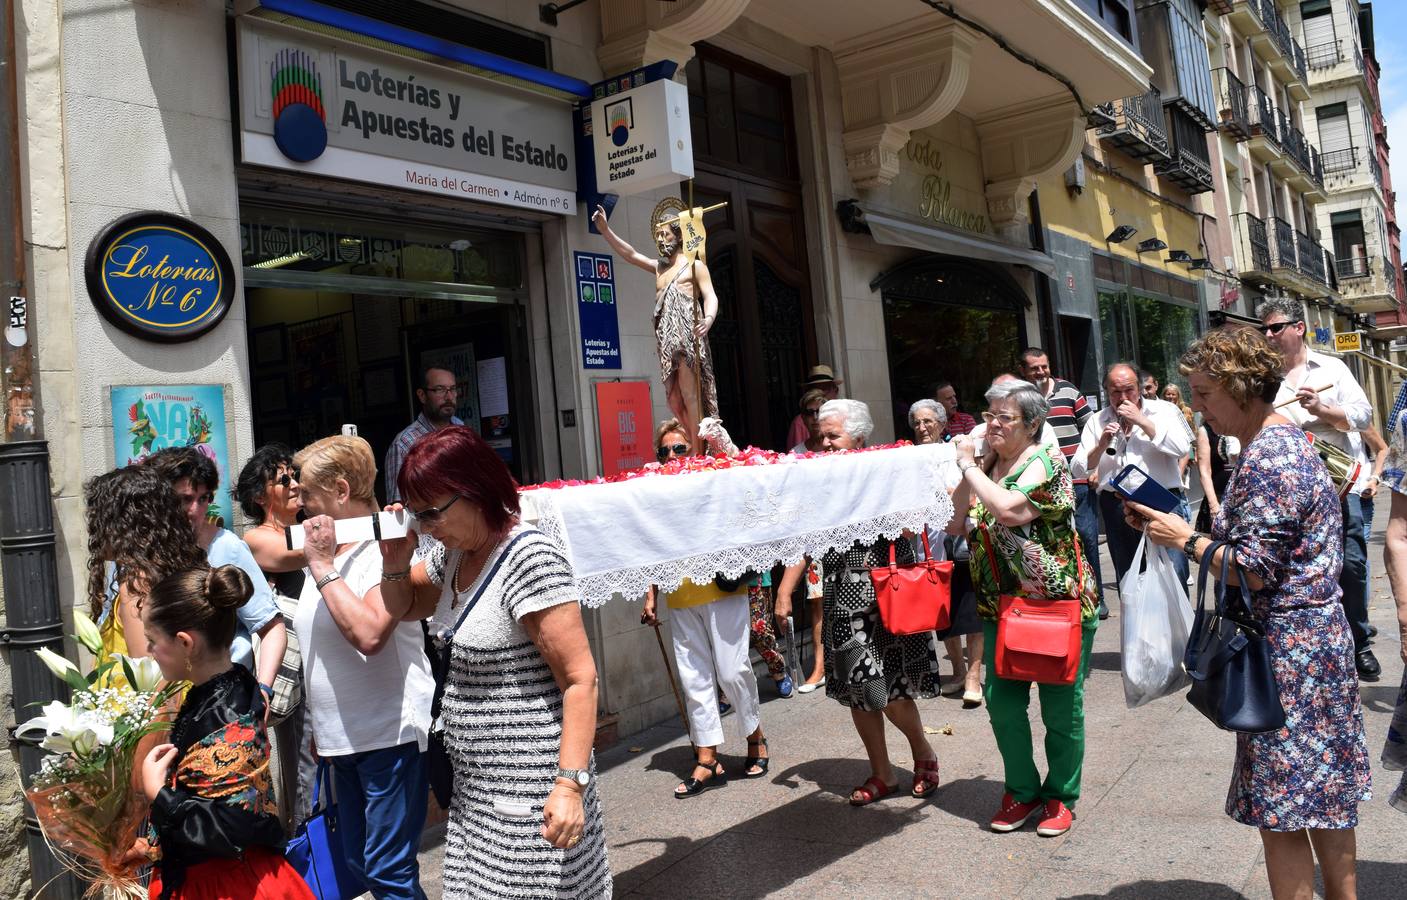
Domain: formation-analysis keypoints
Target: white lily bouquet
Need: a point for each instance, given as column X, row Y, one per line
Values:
column 84, row 794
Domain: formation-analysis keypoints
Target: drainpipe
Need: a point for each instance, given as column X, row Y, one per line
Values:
column 27, row 564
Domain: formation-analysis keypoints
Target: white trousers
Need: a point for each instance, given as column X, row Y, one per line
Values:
column 711, row 651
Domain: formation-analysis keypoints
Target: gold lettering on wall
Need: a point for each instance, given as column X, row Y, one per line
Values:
column 935, row 194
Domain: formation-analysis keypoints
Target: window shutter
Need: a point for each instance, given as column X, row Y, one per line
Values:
column 1334, row 134
column 1318, row 29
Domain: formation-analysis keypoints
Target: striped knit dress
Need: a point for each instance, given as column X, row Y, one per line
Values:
column 503, row 730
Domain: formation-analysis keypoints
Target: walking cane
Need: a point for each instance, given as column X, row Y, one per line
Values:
column 673, row 685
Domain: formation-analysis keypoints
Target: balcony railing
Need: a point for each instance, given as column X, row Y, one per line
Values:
column 1353, row 267
column 1263, row 115
column 1282, row 244
column 1280, row 31
column 1135, row 125
column 1336, row 161
column 1325, row 56
column 1252, row 242
column 1376, row 168
column 1190, row 164
column 1232, row 108
column 1311, row 257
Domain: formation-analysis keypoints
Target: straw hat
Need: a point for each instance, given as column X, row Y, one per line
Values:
column 820, row 375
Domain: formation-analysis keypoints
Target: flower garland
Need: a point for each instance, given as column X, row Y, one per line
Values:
column 750, row 456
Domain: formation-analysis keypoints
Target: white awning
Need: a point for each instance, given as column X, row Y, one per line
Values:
column 898, row 231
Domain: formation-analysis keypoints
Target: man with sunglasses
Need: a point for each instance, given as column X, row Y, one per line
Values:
column 439, row 398
column 1131, row 430
column 195, row 478
column 1331, row 405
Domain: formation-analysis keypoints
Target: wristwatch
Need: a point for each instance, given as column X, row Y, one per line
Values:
column 581, row 776
column 1190, row 547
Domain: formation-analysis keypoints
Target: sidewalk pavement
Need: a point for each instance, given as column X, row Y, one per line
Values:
column 1151, row 823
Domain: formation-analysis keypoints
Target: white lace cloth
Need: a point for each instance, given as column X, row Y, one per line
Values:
column 623, row 537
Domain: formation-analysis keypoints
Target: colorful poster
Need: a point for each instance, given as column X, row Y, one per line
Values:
column 623, row 420
column 596, row 309
column 148, row 418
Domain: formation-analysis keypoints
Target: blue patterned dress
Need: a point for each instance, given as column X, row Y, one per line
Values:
column 1281, row 513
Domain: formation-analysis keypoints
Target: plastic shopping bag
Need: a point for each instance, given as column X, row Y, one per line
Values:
column 1155, row 621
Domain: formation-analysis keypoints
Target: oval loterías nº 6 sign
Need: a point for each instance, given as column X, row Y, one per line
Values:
column 159, row 276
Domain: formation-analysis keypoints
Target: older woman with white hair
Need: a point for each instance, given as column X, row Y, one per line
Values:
column 1024, row 544
column 876, row 674
column 929, row 422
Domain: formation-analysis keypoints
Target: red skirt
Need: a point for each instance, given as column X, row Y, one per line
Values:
column 261, row 874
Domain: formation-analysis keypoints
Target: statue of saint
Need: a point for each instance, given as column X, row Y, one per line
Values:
column 681, row 327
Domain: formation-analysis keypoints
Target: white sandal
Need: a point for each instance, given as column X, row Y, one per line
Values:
column 809, row 686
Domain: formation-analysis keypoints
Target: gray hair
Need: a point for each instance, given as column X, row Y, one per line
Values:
column 854, row 414
column 1033, row 404
column 932, row 406
column 1290, row 308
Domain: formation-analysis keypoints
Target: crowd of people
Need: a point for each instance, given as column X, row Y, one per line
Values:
column 455, row 663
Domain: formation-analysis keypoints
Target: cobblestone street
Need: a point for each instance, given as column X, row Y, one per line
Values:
column 1150, row 825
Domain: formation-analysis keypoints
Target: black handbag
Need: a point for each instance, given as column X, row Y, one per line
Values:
column 439, row 769
column 1228, row 656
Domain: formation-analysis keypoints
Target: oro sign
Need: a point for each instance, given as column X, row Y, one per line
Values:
column 1344, row 341
column 641, row 138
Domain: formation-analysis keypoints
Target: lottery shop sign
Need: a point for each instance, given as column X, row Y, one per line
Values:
column 159, row 276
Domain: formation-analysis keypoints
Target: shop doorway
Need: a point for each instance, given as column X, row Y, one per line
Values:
column 947, row 319
column 744, row 147
column 344, row 314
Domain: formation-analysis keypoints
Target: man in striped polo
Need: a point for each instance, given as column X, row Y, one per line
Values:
column 1068, row 412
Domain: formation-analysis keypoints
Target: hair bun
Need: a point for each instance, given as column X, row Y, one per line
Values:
column 228, row 587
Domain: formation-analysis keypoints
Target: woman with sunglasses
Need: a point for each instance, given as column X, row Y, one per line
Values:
column 710, row 632
column 811, row 403
column 519, row 706
column 366, row 680
column 267, row 491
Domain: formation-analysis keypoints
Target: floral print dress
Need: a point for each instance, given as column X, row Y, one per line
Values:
column 1038, row 559
column 1282, row 514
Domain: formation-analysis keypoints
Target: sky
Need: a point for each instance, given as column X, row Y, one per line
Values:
column 1390, row 41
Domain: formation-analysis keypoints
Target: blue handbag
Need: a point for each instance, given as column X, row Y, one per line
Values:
column 316, row 850
column 1228, row 657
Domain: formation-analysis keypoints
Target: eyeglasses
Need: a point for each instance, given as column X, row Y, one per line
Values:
column 1276, row 327
column 811, row 413
column 677, row 449
column 441, row 391
column 285, row 479
column 1005, row 418
column 435, row 513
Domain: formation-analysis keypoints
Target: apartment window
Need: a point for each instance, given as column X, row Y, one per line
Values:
column 1335, row 137
column 1117, row 16
column 1319, row 37
column 1349, row 239
column 1172, row 41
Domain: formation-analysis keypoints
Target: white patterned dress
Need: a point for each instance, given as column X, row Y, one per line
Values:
column 503, row 730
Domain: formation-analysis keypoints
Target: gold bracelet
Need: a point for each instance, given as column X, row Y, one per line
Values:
column 395, row 576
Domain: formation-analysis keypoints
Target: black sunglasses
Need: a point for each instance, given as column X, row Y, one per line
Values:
column 434, row 514
column 677, row 449
column 1276, row 328
column 285, row 479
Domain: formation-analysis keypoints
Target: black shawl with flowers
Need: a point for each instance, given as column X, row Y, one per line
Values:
column 219, row 801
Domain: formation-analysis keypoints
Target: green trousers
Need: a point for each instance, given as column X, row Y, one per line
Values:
column 1062, row 712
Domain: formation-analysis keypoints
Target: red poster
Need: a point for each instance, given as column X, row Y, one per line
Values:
column 623, row 419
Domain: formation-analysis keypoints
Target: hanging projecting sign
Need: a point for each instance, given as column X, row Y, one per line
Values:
column 314, row 104
column 642, row 139
column 1346, row 341
column 596, row 309
column 159, row 276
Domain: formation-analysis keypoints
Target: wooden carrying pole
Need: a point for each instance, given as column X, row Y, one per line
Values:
column 697, row 306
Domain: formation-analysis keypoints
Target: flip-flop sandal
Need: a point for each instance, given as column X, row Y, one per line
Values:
column 695, row 786
column 925, row 777
column 760, row 762
column 873, row 789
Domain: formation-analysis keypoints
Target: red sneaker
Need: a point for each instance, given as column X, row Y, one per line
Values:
column 1013, row 815
column 1056, row 821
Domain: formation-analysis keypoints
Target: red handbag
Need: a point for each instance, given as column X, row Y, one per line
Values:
column 915, row 598
column 1038, row 639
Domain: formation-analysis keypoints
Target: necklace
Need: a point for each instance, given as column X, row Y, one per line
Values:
column 455, row 589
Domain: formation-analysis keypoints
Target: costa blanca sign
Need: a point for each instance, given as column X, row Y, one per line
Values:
column 310, row 103
column 641, row 138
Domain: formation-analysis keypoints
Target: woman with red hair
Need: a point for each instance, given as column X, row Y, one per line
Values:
column 519, row 709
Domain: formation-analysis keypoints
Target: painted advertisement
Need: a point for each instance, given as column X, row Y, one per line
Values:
column 148, row 418
column 315, row 104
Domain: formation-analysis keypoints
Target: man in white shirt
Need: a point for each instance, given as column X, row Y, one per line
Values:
column 1330, row 414
column 1137, row 430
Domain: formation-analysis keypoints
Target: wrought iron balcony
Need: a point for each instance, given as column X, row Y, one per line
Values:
column 1252, row 244
column 1265, row 124
column 1331, row 271
column 1325, row 56
column 1220, row 7
column 1190, row 163
column 1336, row 161
column 1282, row 244
column 1311, row 257
column 1135, row 125
column 1352, row 267
column 1232, row 104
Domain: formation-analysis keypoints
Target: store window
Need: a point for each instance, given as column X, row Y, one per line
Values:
column 343, row 314
column 1148, row 318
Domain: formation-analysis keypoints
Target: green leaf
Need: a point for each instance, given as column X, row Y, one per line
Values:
column 127, row 671
column 76, row 681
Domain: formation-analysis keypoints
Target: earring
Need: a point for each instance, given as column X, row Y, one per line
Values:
column 189, row 669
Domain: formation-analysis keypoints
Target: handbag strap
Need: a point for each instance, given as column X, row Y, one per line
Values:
column 927, row 553
column 483, row 583
column 324, row 774
column 996, row 576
